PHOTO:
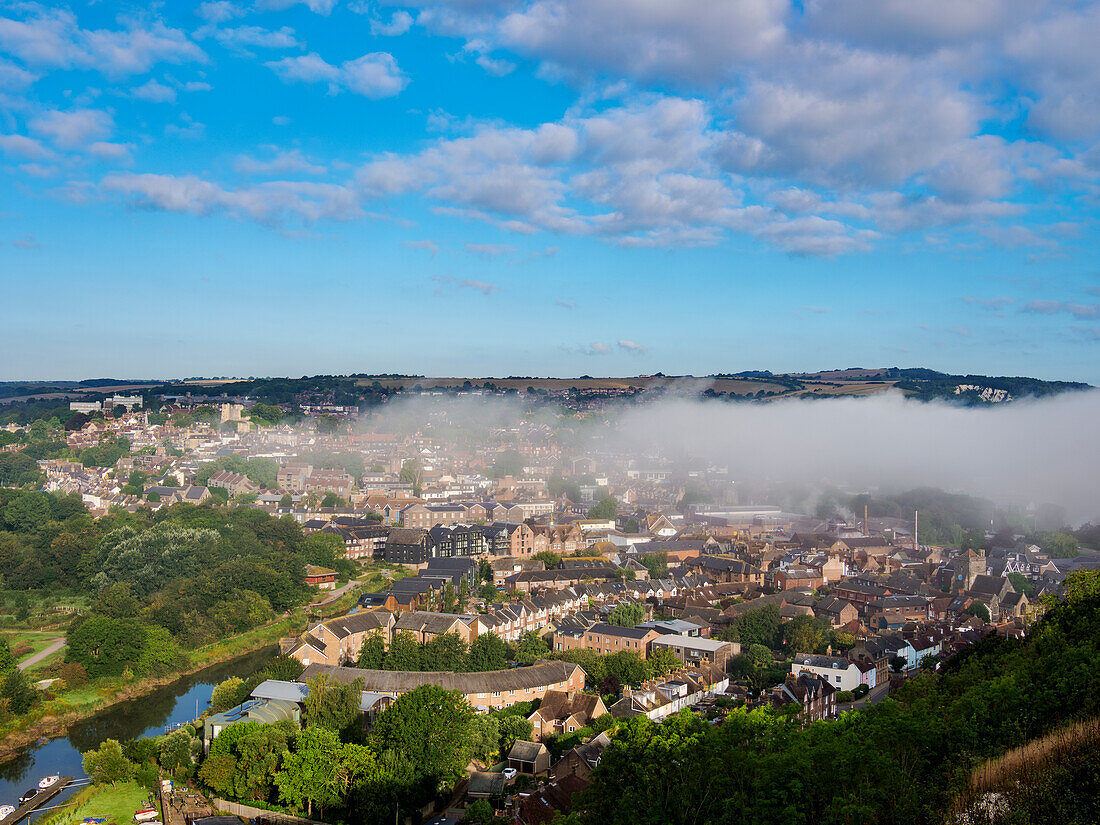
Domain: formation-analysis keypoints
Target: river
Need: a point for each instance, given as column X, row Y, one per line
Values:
column 147, row 715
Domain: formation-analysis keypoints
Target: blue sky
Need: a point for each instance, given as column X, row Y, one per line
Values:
column 537, row 187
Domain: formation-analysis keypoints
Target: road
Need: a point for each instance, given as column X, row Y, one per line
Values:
column 874, row 697
column 42, row 654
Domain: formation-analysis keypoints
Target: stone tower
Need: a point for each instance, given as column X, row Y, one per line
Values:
column 965, row 568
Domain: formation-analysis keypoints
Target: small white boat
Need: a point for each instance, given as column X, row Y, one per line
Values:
column 145, row 815
column 48, row 781
column 6, row 811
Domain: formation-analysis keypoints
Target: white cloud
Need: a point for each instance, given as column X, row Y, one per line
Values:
column 280, row 163
column 375, row 75
column 241, row 38
column 1058, row 58
column 490, row 250
column 686, row 40
column 153, row 92
column 15, row 78
column 219, row 11
column 21, row 146
column 51, row 38
column 400, row 22
column 73, row 129
column 322, row 7
column 26, row 241
column 110, row 152
column 631, row 346
column 274, row 203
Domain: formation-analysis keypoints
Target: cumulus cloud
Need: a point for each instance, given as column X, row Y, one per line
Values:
column 322, row 7
column 375, row 75
column 280, row 162
column 242, row 38
column 219, row 11
column 400, row 22
column 25, row 148
column 73, row 129
column 15, row 78
column 154, row 92
column 274, row 203
column 631, row 346
column 51, row 38
column 686, row 40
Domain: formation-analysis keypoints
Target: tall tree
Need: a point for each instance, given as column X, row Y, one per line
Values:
column 487, row 652
column 447, row 651
column 373, row 652
column 310, row 772
column 332, row 705
column 108, row 764
column 432, row 729
column 404, row 652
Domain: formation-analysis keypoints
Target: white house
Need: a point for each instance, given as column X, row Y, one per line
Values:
column 840, row 673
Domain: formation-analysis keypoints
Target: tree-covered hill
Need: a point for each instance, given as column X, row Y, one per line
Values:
column 904, row 760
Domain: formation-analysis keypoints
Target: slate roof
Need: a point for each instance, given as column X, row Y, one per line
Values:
column 401, row 681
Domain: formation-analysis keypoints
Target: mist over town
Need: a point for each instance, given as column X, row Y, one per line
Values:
column 549, row 412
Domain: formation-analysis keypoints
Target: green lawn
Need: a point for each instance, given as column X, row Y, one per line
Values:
column 116, row 804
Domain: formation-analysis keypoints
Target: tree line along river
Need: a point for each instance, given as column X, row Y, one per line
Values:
column 148, row 715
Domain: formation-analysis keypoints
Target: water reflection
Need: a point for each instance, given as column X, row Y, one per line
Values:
column 146, row 715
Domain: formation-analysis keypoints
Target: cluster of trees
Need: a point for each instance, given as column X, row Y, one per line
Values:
column 158, row 584
column 903, row 760
column 626, row 614
column 606, row 508
column 447, row 651
column 17, row 694
column 416, row 748
column 609, row 672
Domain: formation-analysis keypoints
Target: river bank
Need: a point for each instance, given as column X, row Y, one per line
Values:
column 54, row 717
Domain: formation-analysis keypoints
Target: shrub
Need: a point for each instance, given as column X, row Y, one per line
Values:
column 73, row 673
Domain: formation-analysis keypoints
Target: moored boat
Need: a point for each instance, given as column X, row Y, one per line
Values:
column 48, row 781
column 28, row 796
column 6, row 811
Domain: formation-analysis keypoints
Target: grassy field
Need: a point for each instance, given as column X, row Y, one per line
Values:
column 116, row 804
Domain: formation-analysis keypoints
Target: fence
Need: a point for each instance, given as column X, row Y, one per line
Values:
column 273, row 817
